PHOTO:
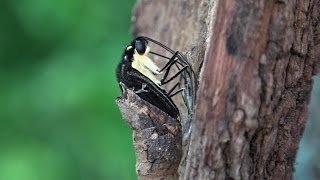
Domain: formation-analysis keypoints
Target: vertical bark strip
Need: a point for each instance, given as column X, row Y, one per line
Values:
column 256, row 60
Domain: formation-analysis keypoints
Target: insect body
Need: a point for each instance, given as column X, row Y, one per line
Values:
column 143, row 63
column 138, row 72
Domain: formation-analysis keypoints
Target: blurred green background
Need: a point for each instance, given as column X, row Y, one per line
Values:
column 59, row 120
column 58, row 117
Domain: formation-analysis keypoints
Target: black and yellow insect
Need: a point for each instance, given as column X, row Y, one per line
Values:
column 139, row 72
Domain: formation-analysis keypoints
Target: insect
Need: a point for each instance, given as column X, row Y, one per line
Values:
column 139, row 72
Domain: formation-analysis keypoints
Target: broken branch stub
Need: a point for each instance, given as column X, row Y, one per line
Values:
column 156, row 137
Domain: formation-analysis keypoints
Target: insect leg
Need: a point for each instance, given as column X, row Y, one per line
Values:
column 173, row 88
column 175, row 93
column 174, row 76
column 172, row 60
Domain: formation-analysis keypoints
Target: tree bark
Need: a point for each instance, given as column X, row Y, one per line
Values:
column 255, row 61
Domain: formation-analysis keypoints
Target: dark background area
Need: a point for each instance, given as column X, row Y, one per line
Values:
column 58, row 117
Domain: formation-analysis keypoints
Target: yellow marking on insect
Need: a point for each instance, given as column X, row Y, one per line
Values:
column 145, row 65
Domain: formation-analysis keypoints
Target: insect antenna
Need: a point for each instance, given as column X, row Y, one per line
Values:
column 156, row 42
column 157, row 54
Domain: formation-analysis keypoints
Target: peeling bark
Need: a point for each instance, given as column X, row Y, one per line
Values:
column 255, row 61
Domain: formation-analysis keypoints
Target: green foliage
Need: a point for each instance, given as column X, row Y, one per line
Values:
column 58, row 117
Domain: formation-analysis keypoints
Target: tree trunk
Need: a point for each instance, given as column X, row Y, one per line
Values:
column 255, row 61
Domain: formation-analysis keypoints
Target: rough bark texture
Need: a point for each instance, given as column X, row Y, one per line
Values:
column 156, row 137
column 256, row 60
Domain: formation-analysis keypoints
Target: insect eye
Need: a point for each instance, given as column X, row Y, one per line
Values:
column 140, row 46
